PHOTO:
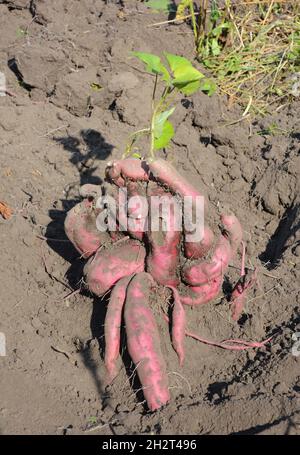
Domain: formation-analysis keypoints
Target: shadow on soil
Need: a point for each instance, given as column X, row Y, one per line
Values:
column 260, row 428
column 287, row 227
column 85, row 152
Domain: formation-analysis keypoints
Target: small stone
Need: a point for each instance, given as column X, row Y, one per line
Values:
column 270, row 202
column 8, row 123
column 280, row 387
column 36, row 323
column 247, row 172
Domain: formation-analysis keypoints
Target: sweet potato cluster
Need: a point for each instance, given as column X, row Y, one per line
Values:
column 132, row 263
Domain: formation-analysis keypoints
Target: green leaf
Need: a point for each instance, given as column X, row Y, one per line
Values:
column 208, row 86
column 161, row 5
column 215, row 48
column 215, row 12
column 183, row 71
column 189, row 89
column 175, row 61
column 163, row 140
column 160, row 120
column 186, row 74
column 153, row 64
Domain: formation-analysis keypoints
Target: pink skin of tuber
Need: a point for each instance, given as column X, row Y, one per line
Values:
column 178, row 326
column 108, row 266
column 80, row 228
column 137, row 213
column 198, row 272
column 166, row 174
column 196, row 250
column 143, row 342
column 163, row 259
column 112, row 327
column 198, row 295
column 128, row 169
column 93, row 192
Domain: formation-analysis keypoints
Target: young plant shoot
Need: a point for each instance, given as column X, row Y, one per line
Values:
column 177, row 77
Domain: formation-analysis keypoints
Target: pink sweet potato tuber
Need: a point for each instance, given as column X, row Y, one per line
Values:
column 81, row 229
column 128, row 169
column 109, row 265
column 196, row 250
column 199, row 272
column 164, row 238
column 112, row 327
column 143, row 342
column 165, row 173
column 197, row 295
column 178, row 326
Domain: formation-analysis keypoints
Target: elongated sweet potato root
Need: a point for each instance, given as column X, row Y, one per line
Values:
column 163, row 237
column 81, row 229
column 144, row 343
column 109, row 265
column 112, row 327
column 178, row 326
